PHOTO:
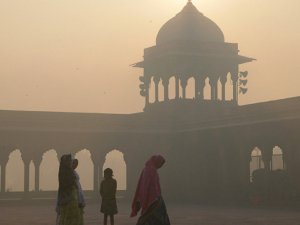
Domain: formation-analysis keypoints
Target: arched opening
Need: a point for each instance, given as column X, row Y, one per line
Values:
column 256, row 160
column 15, row 172
column 190, row 88
column 115, row 160
column 85, row 169
column 277, row 159
column 31, row 176
column 207, row 90
column 228, row 88
column 49, row 171
column 172, row 88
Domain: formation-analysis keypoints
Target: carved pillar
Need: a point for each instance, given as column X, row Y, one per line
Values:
column 196, row 87
column 26, row 159
column 216, row 89
column 147, row 85
column 213, row 88
column 37, row 163
column 201, row 85
column 223, row 80
column 234, row 78
column 183, row 83
column 96, row 176
column 212, row 93
column 267, row 158
column 98, row 160
column 176, row 87
column 165, row 82
column 156, row 83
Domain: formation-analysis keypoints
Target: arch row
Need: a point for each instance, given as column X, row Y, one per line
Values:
column 273, row 160
column 28, row 165
column 218, row 87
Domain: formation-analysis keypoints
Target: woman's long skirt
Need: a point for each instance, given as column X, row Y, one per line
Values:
column 70, row 213
column 156, row 214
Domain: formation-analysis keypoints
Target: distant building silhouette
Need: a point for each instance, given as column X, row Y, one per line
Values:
column 208, row 143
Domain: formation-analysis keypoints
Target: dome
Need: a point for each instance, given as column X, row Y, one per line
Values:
column 189, row 25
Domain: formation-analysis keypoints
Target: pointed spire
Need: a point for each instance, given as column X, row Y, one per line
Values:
column 189, row 8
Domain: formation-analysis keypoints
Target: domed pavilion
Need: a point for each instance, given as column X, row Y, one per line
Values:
column 190, row 45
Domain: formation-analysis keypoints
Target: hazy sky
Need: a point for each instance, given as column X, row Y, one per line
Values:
column 74, row 55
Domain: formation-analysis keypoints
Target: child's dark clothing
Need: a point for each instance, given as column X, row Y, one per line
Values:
column 108, row 190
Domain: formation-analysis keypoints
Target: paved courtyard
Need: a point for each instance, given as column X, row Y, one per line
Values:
column 42, row 213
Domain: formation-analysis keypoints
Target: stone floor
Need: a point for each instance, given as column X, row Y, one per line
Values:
column 42, row 213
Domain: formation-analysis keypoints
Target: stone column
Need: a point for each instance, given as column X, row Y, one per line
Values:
column 96, row 176
column 176, row 87
column 234, row 78
column 147, row 84
column 201, row 85
column 196, row 87
column 165, row 82
column 156, row 83
column 37, row 163
column 3, row 163
column 26, row 159
column 213, row 81
column 223, row 80
column 98, row 160
column 216, row 89
column 183, row 82
column 267, row 158
column 212, row 93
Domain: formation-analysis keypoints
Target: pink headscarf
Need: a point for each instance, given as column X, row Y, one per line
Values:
column 148, row 188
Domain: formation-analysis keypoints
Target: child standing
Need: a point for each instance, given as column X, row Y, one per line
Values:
column 108, row 190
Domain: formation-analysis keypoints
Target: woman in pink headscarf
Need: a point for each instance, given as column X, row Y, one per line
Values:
column 148, row 195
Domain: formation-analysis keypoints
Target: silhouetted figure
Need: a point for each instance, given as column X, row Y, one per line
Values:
column 80, row 196
column 67, row 202
column 108, row 189
column 148, row 195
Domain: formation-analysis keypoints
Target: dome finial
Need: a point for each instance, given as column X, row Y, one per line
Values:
column 189, row 0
